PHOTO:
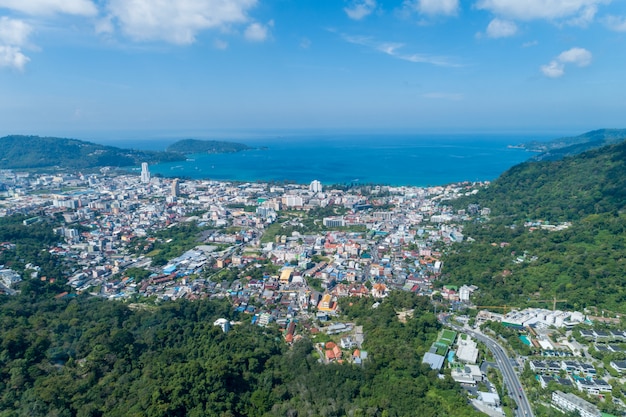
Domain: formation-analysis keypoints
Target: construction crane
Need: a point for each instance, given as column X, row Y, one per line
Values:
column 505, row 308
column 554, row 301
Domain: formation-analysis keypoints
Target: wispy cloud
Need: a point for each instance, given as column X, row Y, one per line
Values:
column 305, row 43
column 47, row 7
column 577, row 56
column 393, row 49
column 433, row 7
column 220, row 44
column 444, row 96
column 358, row 9
column 574, row 10
column 616, row 23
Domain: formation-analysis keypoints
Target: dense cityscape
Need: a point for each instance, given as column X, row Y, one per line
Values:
column 286, row 255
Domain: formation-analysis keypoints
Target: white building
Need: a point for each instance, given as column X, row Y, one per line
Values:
column 570, row 402
column 8, row 277
column 467, row 351
column 465, row 292
column 469, row 374
column 292, row 201
column 223, row 323
column 315, row 186
column 145, row 173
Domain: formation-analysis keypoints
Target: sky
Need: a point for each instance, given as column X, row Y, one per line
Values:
column 89, row 68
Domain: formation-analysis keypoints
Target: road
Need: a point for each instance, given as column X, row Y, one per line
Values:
column 511, row 380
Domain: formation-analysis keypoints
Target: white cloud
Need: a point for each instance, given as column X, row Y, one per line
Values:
column 542, row 9
column 393, row 49
column 360, row 9
column 14, row 32
column 13, row 35
column 499, row 28
column 577, row 56
column 616, row 23
column 12, row 57
column 45, row 7
column 177, row 21
column 433, row 7
column 585, row 17
column 553, row 70
column 256, row 32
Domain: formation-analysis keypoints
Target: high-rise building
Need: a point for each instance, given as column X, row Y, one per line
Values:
column 175, row 188
column 315, row 187
column 145, row 173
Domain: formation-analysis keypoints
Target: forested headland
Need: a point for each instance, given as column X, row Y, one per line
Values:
column 517, row 257
column 29, row 152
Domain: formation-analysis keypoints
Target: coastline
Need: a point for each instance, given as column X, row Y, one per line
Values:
column 395, row 160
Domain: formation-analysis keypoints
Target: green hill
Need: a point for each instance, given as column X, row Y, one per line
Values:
column 190, row 146
column 21, row 152
column 569, row 146
column 86, row 356
column 516, row 262
column 568, row 189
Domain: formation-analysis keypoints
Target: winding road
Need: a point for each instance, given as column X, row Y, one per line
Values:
column 511, row 380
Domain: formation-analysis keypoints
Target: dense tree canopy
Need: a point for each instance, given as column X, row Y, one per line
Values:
column 92, row 357
column 584, row 263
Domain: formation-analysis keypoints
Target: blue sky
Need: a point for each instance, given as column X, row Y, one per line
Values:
column 86, row 68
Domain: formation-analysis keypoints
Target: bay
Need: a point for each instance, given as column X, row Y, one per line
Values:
column 392, row 159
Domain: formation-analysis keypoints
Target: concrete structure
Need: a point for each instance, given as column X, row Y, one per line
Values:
column 465, row 292
column 619, row 366
column 145, row 173
column 315, row 186
column 285, row 275
column 334, row 222
column 569, row 402
column 469, row 374
column 492, row 399
column 223, row 323
column 467, row 351
column 8, row 277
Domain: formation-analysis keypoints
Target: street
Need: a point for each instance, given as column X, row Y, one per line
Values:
column 511, row 380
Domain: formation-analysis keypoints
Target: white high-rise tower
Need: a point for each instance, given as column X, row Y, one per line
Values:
column 315, row 186
column 145, row 173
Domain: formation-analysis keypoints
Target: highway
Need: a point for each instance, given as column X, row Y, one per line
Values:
column 511, row 380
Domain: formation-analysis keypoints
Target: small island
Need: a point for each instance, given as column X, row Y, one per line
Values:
column 194, row 146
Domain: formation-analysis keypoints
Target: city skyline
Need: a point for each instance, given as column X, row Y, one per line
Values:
column 88, row 68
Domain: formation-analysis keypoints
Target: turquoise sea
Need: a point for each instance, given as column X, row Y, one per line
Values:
column 392, row 159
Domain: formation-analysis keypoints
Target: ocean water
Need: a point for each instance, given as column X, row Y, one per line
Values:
column 392, row 159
